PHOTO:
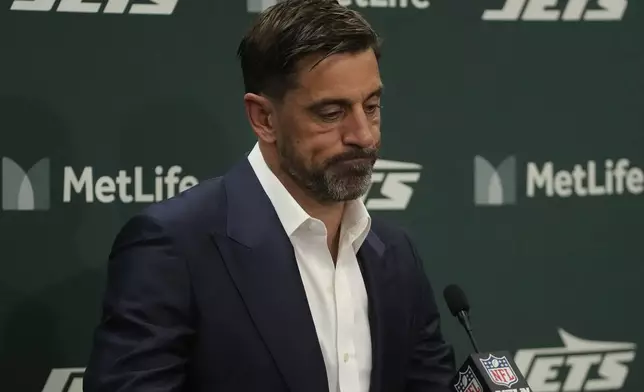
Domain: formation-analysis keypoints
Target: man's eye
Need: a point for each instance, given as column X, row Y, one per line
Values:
column 331, row 116
column 371, row 109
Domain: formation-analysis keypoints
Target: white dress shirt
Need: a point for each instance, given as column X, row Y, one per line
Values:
column 336, row 293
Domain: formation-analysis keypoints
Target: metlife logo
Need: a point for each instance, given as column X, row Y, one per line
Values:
column 25, row 190
column 30, row 190
column 558, row 10
column 151, row 7
column 579, row 366
column 494, row 186
column 498, row 186
column 126, row 187
column 255, row 6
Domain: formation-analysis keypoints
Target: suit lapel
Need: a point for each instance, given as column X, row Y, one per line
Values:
column 371, row 258
column 260, row 259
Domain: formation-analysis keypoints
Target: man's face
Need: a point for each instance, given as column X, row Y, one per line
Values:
column 328, row 127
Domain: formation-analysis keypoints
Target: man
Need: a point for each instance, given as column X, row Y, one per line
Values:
column 273, row 277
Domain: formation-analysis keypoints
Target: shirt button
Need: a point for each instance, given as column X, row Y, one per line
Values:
column 346, row 357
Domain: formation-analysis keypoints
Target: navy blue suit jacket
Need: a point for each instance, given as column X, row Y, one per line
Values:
column 204, row 294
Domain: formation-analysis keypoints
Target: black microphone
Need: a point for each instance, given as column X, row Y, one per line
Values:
column 481, row 372
column 460, row 307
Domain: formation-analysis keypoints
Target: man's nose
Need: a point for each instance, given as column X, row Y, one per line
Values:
column 359, row 130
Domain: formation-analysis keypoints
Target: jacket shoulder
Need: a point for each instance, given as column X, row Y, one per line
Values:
column 198, row 207
column 390, row 233
column 394, row 236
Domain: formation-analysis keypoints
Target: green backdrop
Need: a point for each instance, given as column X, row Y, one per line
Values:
column 499, row 120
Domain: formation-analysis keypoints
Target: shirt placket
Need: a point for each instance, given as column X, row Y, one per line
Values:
column 347, row 366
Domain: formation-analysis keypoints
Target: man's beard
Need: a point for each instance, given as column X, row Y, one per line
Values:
column 334, row 180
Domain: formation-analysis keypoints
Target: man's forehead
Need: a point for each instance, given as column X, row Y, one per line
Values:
column 350, row 74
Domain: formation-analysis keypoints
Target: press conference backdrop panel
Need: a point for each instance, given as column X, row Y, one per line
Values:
column 512, row 151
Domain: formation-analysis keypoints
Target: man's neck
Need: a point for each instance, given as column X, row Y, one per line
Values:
column 329, row 213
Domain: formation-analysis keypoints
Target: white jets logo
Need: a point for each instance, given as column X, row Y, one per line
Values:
column 65, row 380
column 573, row 363
column 571, row 10
column 394, row 177
column 153, row 7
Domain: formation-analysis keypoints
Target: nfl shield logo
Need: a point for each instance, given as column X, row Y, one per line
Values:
column 467, row 382
column 499, row 370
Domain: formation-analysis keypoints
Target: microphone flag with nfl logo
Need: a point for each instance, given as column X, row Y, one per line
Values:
column 489, row 372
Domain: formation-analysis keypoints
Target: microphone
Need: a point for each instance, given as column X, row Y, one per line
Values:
column 481, row 372
column 459, row 306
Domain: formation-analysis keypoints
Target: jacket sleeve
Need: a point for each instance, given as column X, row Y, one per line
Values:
column 431, row 366
column 143, row 338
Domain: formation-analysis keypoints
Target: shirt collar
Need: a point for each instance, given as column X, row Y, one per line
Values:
column 356, row 221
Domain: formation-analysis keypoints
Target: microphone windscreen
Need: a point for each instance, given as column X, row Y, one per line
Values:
column 455, row 299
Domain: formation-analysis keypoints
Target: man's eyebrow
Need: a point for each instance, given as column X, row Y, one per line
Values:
column 377, row 92
column 342, row 101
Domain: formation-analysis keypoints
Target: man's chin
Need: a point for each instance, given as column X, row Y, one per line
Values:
column 353, row 187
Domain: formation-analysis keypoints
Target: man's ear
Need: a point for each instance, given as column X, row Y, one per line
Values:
column 260, row 111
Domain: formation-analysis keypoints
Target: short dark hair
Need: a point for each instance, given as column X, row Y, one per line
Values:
column 292, row 29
